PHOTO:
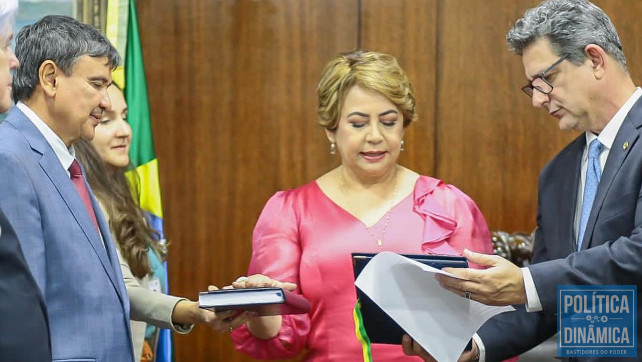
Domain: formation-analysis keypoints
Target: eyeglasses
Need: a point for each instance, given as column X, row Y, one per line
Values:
column 540, row 83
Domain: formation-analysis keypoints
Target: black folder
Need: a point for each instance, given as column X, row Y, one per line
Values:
column 379, row 327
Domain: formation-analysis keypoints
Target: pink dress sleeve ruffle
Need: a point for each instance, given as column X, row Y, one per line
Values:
column 276, row 253
column 452, row 220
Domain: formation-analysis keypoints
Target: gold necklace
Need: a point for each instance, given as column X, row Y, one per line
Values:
column 379, row 240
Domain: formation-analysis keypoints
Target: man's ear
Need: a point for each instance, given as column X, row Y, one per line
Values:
column 597, row 56
column 48, row 74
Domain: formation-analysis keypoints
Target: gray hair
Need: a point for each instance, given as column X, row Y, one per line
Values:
column 569, row 25
column 60, row 39
column 7, row 11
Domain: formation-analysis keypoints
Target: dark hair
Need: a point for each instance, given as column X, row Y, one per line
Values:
column 126, row 219
column 60, row 39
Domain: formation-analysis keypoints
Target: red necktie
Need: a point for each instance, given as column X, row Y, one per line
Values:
column 79, row 184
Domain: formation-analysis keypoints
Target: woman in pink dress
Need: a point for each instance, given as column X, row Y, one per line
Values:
column 304, row 237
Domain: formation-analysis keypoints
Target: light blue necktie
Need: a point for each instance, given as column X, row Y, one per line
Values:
column 593, row 173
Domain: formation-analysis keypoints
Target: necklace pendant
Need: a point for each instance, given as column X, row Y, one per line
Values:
column 379, row 242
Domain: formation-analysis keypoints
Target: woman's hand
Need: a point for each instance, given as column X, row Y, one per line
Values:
column 260, row 280
column 265, row 327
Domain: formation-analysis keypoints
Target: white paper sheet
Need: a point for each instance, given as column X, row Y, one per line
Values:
column 440, row 321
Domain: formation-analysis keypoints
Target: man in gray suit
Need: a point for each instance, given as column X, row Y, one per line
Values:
column 61, row 90
column 577, row 73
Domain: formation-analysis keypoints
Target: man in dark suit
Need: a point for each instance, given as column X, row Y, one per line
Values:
column 589, row 224
column 24, row 331
column 61, row 90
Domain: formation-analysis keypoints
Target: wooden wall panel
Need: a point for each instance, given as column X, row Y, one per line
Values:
column 407, row 29
column 626, row 17
column 232, row 90
column 490, row 141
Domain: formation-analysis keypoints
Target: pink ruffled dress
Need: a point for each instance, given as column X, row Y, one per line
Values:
column 304, row 237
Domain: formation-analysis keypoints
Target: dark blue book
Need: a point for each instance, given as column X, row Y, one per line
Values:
column 263, row 301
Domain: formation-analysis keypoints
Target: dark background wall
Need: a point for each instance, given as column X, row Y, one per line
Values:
column 232, row 90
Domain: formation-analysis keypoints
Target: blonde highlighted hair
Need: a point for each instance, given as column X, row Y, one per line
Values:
column 371, row 70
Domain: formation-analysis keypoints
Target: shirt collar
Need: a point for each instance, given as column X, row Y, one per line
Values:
column 607, row 136
column 64, row 154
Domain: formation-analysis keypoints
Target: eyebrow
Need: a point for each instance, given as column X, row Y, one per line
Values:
column 361, row 114
column 551, row 69
column 101, row 79
column 357, row 113
column 539, row 74
column 391, row 111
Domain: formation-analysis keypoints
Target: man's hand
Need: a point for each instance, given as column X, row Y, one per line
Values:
column 501, row 284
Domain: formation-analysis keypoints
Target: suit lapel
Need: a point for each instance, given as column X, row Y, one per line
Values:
column 52, row 167
column 627, row 134
column 570, row 180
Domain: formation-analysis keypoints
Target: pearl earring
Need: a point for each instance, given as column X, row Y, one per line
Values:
column 333, row 148
column 402, row 145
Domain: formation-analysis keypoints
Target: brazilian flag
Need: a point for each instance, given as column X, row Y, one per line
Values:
column 122, row 31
